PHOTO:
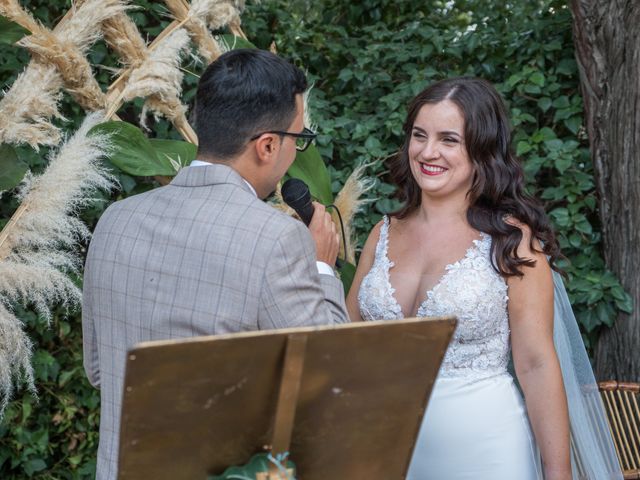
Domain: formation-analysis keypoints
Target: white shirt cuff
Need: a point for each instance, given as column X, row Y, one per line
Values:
column 325, row 269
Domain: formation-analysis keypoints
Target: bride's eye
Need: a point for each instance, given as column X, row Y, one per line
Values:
column 418, row 134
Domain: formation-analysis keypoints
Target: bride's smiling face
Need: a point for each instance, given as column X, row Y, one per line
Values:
column 438, row 157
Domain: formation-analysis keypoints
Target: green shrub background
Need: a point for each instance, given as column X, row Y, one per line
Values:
column 366, row 59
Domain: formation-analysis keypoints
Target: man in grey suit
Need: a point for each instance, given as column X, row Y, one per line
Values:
column 205, row 255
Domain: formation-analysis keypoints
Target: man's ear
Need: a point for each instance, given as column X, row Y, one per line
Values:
column 267, row 146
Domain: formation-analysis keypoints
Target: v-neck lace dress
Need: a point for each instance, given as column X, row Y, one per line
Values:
column 475, row 426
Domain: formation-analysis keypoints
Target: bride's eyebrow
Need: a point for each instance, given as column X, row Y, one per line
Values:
column 443, row 133
column 450, row 133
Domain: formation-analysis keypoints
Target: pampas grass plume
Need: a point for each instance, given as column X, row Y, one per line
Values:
column 348, row 201
column 217, row 13
column 27, row 108
column 15, row 357
column 159, row 77
column 35, row 253
column 193, row 17
column 66, row 45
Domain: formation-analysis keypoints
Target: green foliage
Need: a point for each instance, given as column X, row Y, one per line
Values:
column 10, row 32
column 367, row 60
column 309, row 167
column 177, row 152
column 135, row 154
column 347, row 272
column 12, row 169
column 54, row 436
column 232, row 42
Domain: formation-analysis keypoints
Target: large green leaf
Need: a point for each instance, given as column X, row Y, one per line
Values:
column 12, row 169
column 179, row 153
column 236, row 42
column 132, row 152
column 10, row 32
column 309, row 167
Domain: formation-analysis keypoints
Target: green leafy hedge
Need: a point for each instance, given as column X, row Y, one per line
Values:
column 367, row 60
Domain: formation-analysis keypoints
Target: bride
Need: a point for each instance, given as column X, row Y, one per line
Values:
column 483, row 250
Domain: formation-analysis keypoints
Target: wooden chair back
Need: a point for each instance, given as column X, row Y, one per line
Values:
column 621, row 403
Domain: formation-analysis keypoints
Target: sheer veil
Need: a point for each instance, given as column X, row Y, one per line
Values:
column 593, row 454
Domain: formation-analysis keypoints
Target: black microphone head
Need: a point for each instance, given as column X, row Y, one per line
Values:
column 295, row 193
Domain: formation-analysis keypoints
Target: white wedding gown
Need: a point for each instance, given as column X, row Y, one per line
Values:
column 476, row 426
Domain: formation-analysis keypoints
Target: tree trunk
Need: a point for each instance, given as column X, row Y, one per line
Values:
column 607, row 42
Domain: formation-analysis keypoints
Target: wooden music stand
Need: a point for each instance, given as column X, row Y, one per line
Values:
column 346, row 401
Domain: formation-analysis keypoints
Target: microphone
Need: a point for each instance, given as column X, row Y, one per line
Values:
column 295, row 193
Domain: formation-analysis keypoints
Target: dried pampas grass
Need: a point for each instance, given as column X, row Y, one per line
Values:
column 14, row 12
column 217, row 13
column 45, row 218
column 65, row 48
column 308, row 120
column 15, row 357
column 159, row 78
column 27, row 108
column 82, row 29
column 123, row 36
column 35, row 255
column 348, row 201
column 208, row 47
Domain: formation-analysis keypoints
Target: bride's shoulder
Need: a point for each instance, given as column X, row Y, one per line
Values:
column 376, row 231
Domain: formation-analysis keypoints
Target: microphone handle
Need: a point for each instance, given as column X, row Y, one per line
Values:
column 305, row 212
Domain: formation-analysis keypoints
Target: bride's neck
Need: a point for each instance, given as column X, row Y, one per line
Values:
column 443, row 211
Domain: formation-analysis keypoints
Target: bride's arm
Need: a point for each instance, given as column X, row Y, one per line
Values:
column 536, row 362
column 364, row 265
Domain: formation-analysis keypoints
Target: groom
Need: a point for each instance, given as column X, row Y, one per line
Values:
column 205, row 255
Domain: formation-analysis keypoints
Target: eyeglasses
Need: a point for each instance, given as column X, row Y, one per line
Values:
column 303, row 139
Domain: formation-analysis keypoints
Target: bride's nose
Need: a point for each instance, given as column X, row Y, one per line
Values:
column 430, row 150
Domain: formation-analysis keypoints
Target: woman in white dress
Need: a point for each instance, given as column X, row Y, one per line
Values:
column 470, row 242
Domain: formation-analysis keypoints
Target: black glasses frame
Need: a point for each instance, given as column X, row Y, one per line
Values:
column 306, row 134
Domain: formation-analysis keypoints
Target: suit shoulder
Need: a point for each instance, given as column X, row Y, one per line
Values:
column 134, row 200
column 278, row 219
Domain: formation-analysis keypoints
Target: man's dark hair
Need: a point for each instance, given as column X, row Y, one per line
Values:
column 244, row 92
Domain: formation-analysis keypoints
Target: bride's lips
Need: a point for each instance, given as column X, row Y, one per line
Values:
column 432, row 170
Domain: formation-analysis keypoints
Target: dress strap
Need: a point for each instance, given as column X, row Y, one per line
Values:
column 383, row 239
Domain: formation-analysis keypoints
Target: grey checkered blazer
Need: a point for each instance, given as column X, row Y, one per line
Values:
column 200, row 256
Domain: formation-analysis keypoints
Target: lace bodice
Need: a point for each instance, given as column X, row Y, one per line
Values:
column 470, row 289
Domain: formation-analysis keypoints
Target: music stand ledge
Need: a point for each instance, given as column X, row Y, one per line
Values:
column 346, row 401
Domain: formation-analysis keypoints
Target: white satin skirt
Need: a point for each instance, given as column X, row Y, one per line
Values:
column 476, row 431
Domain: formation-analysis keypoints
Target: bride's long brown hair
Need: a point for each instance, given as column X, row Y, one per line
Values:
column 497, row 192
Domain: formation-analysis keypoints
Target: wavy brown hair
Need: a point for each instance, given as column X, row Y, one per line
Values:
column 497, row 192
